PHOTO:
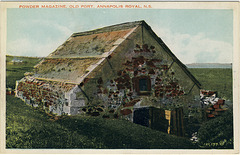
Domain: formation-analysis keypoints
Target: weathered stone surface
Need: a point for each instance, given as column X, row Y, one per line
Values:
column 139, row 67
column 74, row 110
column 66, row 109
column 77, row 103
column 72, row 97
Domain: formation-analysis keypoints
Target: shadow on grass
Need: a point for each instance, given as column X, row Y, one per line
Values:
column 117, row 134
column 29, row 128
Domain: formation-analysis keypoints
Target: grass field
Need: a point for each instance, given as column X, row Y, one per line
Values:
column 215, row 79
column 16, row 71
column 28, row 127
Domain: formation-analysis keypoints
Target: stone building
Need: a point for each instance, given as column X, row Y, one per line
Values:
column 119, row 68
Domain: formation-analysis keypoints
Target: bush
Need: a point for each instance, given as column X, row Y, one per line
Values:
column 218, row 132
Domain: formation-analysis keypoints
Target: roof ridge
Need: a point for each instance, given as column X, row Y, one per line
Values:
column 116, row 27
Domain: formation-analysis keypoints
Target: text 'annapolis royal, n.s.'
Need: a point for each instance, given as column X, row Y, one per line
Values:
column 87, row 6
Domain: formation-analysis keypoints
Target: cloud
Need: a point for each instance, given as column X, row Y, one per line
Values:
column 65, row 30
column 188, row 48
column 196, row 48
column 29, row 47
column 42, row 45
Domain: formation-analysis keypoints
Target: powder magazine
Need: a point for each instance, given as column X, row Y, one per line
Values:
column 119, row 77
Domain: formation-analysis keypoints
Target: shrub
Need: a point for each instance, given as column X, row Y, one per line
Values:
column 218, row 132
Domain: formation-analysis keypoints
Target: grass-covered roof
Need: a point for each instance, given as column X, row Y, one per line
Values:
column 93, row 43
column 64, row 69
column 97, row 44
column 82, row 52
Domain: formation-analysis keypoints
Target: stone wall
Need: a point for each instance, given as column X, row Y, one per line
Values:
column 56, row 97
column 138, row 56
column 122, row 91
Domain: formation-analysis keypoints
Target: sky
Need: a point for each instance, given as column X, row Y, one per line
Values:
column 194, row 36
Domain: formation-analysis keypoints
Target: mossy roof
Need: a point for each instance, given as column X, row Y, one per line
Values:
column 82, row 53
column 64, row 69
column 92, row 43
column 86, row 50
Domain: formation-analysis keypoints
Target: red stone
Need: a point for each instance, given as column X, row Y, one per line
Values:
column 126, row 111
column 219, row 110
column 210, row 115
column 211, row 93
column 216, row 106
column 221, row 101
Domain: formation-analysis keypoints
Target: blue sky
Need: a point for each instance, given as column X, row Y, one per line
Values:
column 192, row 35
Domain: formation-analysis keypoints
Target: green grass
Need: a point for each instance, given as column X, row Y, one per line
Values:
column 16, row 71
column 28, row 127
column 215, row 79
column 217, row 133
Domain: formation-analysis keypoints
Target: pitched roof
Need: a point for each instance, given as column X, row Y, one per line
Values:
column 93, row 43
column 76, row 58
column 90, row 49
